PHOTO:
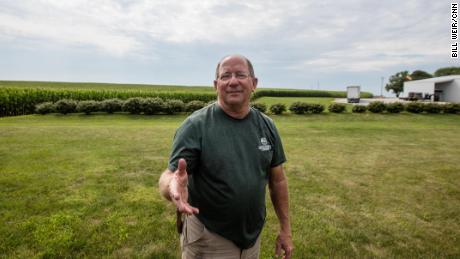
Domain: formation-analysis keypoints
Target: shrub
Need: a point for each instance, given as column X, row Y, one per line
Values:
column 414, row 107
column 376, row 107
column 432, row 108
column 277, row 108
column 65, row 106
column 133, row 105
column 152, row 105
column 173, row 106
column 298, row 107
column 44, row 108
column 194, row 106
column 259, row 106
column 359, row 108
column 395, row 107
column 111, row 105
column 337, row 107
column 315, row 108
column 87, row 107
column 451, row 108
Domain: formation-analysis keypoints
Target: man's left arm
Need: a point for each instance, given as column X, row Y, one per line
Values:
column 280, row 198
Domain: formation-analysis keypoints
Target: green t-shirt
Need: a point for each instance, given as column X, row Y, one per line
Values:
column 228, row 163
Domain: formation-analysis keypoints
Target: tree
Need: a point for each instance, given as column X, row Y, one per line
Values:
column 396, row 82
column 420, row 74
column 446, row 71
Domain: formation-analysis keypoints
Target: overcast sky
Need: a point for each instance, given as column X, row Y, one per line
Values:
column 298, row 44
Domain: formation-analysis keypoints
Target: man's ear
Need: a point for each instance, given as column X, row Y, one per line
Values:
column 254, row 83
column 215, row 85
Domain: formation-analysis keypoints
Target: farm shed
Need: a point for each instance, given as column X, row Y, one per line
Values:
column 442, row 89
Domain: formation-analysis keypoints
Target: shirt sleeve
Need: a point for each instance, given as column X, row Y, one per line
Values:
column 278, row 152
column 187, row 145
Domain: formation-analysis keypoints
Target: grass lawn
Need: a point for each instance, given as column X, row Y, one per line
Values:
column 361, row 185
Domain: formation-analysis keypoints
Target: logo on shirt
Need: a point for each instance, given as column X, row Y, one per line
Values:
column 265, row 146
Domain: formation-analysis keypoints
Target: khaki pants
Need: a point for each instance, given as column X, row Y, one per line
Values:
column 198, row 242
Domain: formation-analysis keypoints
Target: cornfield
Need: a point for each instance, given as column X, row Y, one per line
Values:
column 20, row 101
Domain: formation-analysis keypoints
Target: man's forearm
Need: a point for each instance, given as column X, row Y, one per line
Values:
column 280, row 199
column 279, row 195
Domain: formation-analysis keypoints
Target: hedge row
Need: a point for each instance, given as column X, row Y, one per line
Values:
column 19, row 101
column 413, row 107
column 374, row 107
column 157, row 105
column 297, row 108
column 134, row 105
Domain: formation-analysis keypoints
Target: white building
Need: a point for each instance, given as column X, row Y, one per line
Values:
column 443, row 89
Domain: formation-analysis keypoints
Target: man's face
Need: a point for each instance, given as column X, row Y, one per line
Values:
column 234, row 85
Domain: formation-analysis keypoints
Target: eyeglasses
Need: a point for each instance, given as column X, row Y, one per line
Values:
column 238, row 75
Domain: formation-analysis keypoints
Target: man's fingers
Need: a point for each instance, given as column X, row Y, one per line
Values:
column 278, row 249
column 284, row 247
column 182, row 167
column 186, row 208
column 288, row 253
column 195, row 210
column 189, row 209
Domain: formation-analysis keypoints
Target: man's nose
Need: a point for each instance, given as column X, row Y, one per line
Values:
column 233, row 80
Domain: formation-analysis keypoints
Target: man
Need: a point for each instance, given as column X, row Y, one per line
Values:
column 222, row 158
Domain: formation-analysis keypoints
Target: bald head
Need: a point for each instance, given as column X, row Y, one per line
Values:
column 250, row 67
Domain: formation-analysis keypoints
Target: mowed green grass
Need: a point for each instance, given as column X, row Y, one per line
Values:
column 361, row 185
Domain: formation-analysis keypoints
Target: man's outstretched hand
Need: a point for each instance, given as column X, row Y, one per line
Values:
column 178, row 189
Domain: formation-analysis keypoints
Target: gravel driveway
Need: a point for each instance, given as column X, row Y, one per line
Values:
column 366, row 101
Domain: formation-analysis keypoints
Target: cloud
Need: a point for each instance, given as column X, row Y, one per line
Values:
column 65, row 22
column 375, row 55
column 354, row 35
column 377, row 37
column 202, row 21
column 120, row 27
